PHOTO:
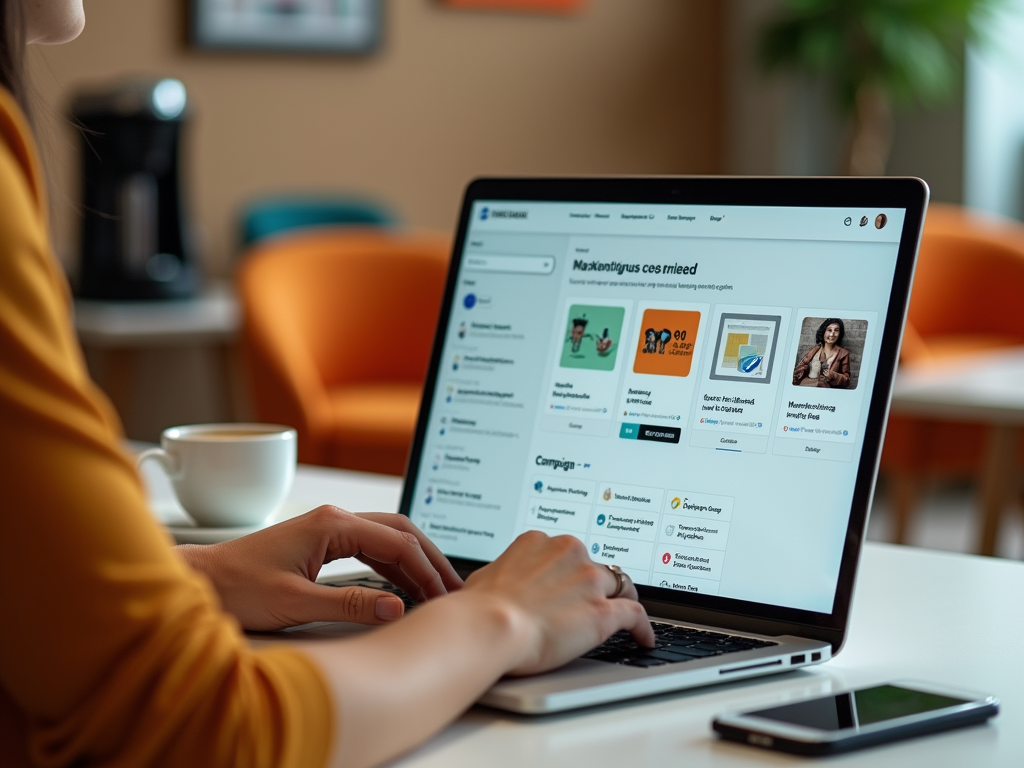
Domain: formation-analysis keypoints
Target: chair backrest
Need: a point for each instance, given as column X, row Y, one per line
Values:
column 272, row 216
column 323, row 309
column 969, row 279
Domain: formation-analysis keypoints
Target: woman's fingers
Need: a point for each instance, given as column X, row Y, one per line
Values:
column 356, row 604
column 394, row 574
column 359, row 535
column 451, row 580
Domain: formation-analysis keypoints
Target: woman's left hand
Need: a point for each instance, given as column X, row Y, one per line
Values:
column 267, row 579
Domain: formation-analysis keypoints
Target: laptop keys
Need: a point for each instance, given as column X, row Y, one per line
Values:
column 672, row 645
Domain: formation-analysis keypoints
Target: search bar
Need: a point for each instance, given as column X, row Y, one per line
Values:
column 523, row 265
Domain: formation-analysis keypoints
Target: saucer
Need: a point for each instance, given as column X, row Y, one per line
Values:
column 185, row 530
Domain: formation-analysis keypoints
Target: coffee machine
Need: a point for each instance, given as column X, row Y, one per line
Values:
column 134, row 243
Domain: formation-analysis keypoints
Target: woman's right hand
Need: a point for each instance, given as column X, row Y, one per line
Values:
column 562, row 597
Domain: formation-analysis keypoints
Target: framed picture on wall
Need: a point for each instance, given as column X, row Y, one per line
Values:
column 299, row 26
column 538, row 6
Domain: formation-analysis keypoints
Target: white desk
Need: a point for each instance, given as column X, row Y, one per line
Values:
column 945, row 618
column 985, row 388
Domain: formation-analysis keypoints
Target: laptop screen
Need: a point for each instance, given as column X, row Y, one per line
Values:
column 684, row 388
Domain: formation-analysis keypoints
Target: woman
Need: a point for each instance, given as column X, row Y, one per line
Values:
column 116, row 649
column 827, row 363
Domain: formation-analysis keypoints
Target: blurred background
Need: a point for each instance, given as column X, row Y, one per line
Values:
column 390, row 116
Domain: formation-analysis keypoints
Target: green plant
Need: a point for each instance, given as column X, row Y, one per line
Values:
column 874, row 54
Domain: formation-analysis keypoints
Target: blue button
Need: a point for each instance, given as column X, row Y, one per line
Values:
column 629, row 431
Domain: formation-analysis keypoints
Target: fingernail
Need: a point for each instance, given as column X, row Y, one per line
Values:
column 388, row 608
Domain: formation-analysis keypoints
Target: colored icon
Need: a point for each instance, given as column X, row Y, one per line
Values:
column 596, row 548
column 785, row 429
column 607, row 495
column 538, row 486
column 664, row 583
column 666, row 558
column 601, row 519
column 469, row 301
column 430, row 495
column 669, row 530
column 847, row 221
column 863, row 221
column 675, row 502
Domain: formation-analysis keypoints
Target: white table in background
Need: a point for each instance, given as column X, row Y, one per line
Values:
column 986, row 388
column 118, row 330
column 950, row 619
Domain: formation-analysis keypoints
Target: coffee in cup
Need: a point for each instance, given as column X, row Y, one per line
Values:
column 227, row 475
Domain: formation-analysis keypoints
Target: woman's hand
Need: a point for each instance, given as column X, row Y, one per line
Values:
column 267, row 580
column 562, row 597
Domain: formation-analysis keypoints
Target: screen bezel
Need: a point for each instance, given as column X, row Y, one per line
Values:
column 910, row 194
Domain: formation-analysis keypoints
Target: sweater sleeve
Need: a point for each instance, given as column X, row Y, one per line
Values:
column 112, row 651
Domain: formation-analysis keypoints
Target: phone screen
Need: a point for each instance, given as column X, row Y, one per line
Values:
column 853, row 709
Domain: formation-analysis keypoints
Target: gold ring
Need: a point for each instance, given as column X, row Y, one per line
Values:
column 620, row 580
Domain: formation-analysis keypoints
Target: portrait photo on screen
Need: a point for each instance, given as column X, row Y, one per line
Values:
column 830, row 352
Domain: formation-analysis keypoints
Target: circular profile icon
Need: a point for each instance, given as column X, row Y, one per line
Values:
column 596, row 548
column 847, row 221
column 666, row 558
column 880, row 220
column 675, row 502
column 669, row 530
column 430, row 495
column 601, row 519
column 469, row 301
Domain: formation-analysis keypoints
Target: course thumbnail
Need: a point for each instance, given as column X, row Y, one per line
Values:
column 592, row 336
column 666, row 343
column 829, row 352
column 745, row 348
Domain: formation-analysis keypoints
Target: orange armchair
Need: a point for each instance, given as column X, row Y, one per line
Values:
column 968, row 297
column 337, row 333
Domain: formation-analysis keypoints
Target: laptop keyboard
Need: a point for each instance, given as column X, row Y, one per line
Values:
column 672, row 645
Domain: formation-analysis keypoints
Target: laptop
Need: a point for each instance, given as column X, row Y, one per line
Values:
column 690, row 375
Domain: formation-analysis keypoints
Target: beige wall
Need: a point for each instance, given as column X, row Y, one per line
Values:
column 627, row 86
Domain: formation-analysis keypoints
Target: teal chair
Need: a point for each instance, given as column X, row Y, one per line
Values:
column 272, row 216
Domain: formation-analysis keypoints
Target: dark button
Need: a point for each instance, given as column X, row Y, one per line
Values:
column 659, row 434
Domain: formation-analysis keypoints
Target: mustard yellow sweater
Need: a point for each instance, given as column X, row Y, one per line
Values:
column 112, row 651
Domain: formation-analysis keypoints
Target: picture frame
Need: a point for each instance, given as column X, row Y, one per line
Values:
column 286, row 26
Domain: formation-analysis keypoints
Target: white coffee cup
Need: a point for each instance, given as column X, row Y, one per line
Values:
column 227, row 475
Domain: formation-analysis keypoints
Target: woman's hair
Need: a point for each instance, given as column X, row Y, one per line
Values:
column 12, row 50
column 819, row 337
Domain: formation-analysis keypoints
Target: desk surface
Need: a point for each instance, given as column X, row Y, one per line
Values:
column 950, row 619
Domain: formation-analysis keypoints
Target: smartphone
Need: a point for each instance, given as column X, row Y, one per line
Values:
column 854, row 719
